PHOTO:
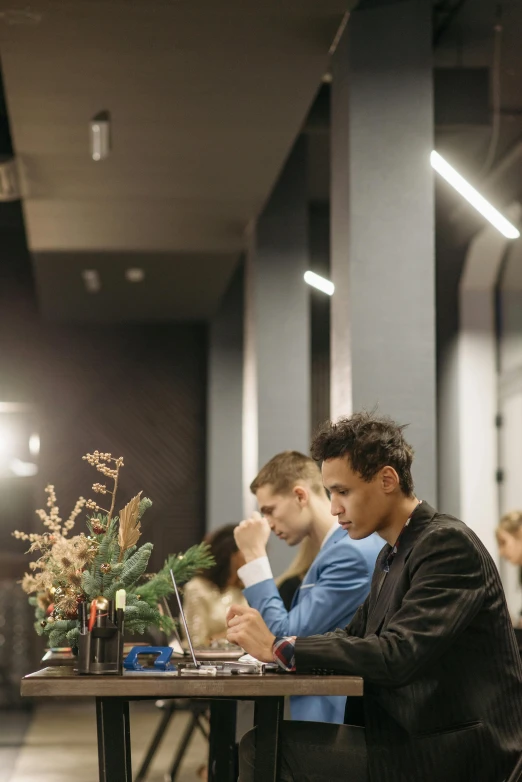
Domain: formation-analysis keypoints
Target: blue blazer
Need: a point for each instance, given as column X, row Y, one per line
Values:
column 335, row 586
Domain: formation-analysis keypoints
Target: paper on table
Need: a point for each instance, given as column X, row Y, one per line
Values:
column 247, row 658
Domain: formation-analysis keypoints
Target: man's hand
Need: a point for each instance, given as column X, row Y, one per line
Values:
column 252, row 536
column 247, row 629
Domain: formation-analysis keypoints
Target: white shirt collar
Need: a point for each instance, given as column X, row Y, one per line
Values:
column 330, row 532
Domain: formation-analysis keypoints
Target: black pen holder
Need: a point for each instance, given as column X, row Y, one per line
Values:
column 100, row 650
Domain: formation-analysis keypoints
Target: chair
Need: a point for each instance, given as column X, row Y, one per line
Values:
column 199, row 720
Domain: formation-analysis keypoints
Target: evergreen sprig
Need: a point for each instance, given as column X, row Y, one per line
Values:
column 103, row 568
column 184, row 566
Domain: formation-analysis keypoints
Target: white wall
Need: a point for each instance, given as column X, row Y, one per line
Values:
column 478, row 379
column 477, row 389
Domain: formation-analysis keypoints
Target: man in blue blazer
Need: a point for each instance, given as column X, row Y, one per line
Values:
column 294, row 504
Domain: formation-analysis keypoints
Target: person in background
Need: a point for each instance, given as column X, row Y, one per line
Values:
column 294, row 505
column 509, row 537
column 289, row 582
column 207, row 597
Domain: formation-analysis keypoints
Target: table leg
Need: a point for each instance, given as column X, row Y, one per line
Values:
column 166, row 717
column 114, row 756
column 222, row 745
column 268, row 720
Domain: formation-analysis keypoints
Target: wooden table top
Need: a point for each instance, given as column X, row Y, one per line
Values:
column 64, row 656
column 63, row 682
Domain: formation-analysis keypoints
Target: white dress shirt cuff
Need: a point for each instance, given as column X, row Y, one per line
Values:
column 255, row 571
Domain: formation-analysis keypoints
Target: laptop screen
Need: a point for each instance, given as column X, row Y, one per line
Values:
column 182, row 615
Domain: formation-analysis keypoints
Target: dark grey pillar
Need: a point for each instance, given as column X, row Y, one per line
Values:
column 277, row 358
column 319, row 233
column 383, row 310
column 224, row 404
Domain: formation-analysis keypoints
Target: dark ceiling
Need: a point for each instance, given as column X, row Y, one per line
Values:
column 484, row 34
column 205, row 99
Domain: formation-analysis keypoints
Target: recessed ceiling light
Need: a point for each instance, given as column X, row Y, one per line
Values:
column 134, row 275
column 100, row 130
column 91, row 280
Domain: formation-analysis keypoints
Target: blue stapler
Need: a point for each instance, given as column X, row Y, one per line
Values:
column 161, row 663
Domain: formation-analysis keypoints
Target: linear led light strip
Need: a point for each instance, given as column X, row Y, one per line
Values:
column 473, row 197
column 316, row 281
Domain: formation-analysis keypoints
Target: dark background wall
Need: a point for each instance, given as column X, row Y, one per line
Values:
column 134, row 390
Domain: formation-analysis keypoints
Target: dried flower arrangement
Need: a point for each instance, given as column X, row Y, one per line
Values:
column 82, row 567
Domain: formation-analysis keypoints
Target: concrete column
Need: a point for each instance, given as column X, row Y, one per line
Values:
column 477, row 443
column 277, row 338
column 383, row 260
column 224, row 403
column 319, row 233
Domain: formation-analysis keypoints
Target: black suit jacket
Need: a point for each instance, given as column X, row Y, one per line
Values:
column 435, row 646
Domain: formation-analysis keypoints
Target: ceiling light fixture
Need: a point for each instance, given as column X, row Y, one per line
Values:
column 23, row 469
column 134, row 275
column 6, row 442
column 100, row 129
column 322, row 284
column 34, row 444
column 473, row 197
column 91, row 280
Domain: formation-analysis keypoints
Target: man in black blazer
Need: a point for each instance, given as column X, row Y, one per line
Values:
column 433, row 641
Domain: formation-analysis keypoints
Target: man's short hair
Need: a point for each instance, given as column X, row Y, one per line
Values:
column 286, row 470
column 370, row 443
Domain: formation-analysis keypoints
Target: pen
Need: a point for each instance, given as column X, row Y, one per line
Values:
column 92, row 617
column 82, row 614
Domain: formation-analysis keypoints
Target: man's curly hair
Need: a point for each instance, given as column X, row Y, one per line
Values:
column 370, row 443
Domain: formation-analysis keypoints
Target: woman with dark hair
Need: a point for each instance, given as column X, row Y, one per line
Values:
column 208, row 597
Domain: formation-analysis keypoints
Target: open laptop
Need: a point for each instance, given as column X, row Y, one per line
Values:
column 220, row 666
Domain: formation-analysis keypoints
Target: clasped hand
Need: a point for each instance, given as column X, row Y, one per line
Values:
column 251, row 536
column 247, row 629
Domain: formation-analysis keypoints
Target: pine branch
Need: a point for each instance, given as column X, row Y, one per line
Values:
column 128, row 554
column 140, row 616
column 56, row 638
column 38, row 627
column 136, row 565
column 184, row 566
column 105, row 545
column 72, row 637
column 145, row 504
column 89, row 585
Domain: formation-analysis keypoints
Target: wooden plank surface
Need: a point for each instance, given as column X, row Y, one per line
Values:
column 63, row 682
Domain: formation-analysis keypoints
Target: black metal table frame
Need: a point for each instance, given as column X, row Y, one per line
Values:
column 114, row 738
column 197, row 710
